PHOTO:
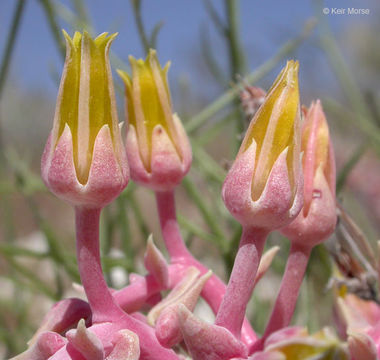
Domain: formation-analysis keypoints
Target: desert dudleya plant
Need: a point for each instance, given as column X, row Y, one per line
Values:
column 85, row 164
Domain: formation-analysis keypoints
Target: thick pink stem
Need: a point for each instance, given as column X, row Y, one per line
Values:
column 240, row 286
column 169, row 225
column 214, row 288
column 287, row 297
column 99, row 297
column 103, row 306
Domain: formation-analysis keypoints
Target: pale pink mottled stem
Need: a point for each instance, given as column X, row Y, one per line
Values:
column 169, row 225
column 287, row 297
column 99, row 297
column 103, row 306
column 214, row 288
column 240, row 286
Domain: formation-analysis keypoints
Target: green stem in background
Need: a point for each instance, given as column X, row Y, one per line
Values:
column 215, row 18
column 54, row 28
column 364, row 124
column 5, row 61
column 125, row 232
column 107, row 230
column 11, row 40
column 230, row 254
column 210, row 59
column 54, row 244
column 349, row 165
column 343, row 73
column 214, row 129
column 83, row 21
column 237, row 61
column 210, row 218
column 195, row 230
column 8, row 250
column 136, row 6
column 36, row 283
column 139, row 216
column 198, row 120
column 206, row 164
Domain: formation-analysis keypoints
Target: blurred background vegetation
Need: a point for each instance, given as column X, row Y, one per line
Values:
column 215, row 48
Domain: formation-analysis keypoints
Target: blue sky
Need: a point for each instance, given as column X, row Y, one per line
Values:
column 265, row 25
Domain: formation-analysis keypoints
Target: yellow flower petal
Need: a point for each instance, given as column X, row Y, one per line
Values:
column 272, row 128
column 85, row 102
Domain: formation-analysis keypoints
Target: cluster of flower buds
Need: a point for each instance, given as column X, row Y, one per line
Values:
column 271, row 186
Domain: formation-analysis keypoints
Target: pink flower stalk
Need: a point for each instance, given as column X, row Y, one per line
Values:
column 84, row 164
column 317, row 219
column 263, row 189
column 159, row 156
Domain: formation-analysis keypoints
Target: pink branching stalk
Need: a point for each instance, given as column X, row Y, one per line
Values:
column 316, row 220
column 214, row 289
column 242, row 280
column 104, row 308
column 263, row 188
column 98, row 295
column 287, row 297
column 159, row 156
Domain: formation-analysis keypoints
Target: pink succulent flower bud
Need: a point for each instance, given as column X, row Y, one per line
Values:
column 84, row 161
column 263, row 189
column 318, row 217
column 158, row 149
